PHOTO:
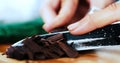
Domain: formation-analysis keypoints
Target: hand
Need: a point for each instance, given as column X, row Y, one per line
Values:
column 99, row 19
column 57, row 13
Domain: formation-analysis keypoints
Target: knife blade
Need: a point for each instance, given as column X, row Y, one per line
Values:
column 100, row 38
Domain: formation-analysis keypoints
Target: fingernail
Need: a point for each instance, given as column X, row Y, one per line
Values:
column 46, row 27
column 73, row 26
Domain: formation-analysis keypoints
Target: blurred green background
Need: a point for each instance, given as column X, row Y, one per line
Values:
column 20, row 19
column 10, row 33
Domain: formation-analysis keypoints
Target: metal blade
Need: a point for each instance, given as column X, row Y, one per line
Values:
column 103, row 37
column 95, row 43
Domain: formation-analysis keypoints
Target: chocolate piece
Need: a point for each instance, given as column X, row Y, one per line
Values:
column 55, row 38
column 36, row 47
column 68, row 50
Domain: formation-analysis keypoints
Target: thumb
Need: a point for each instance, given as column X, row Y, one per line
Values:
column 97, row 20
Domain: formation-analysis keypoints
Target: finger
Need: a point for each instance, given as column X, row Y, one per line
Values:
column 98, row 6
column 48, row 10
column 97, row 20
column 65, row 14
column 101, row 4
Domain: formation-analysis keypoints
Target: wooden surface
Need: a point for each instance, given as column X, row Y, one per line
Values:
column 106, row 55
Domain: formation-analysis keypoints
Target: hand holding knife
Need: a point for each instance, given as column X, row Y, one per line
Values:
column 103, row 37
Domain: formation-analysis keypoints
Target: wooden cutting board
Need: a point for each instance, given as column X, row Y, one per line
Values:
column 106, row 55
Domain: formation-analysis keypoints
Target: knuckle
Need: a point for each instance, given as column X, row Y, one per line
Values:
column 113, row 6
column 115, row 9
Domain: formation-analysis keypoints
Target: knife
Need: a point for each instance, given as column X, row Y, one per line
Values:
column 101, row 38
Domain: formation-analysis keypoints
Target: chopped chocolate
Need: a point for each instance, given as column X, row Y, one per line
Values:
column 36, row 47
column 55, row 38
column 68, row 50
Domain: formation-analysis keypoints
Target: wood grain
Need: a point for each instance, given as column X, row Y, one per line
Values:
column 106, row 55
